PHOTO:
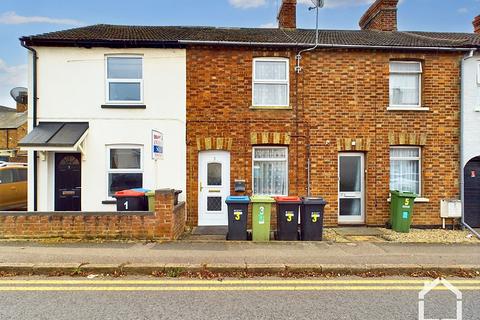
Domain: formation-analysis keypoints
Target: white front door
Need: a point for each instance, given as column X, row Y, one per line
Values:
column 351, row 188
column 213, row 187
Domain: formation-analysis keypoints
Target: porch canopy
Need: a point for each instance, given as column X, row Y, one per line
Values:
column 56, row 136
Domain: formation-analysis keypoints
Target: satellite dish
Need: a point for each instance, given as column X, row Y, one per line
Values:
column 318, row 3
column 20, row 94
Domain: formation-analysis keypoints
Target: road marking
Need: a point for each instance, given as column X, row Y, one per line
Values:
column 233, row 288
column 229, row 282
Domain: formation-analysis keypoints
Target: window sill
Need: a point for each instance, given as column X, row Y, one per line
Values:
column 408, row 109
column 123, row 106
column 417, row 200
column 271, row 108
column 109, row 202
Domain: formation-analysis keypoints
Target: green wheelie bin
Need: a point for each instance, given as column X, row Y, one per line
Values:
column 401, row 210
column 261, row 213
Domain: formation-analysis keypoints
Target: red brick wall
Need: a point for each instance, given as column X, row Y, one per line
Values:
column 219, row 105
column 340, row 96
column 9, row 139
column 167, row 222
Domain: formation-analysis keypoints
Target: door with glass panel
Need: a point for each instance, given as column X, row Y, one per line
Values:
column 351, row 188
column 213, row 187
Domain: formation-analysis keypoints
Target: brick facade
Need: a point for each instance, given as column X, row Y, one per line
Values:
column 166, row 223
column 9, row 138
column 340, row 97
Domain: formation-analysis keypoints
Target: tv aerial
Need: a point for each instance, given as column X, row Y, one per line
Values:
column 317, row 4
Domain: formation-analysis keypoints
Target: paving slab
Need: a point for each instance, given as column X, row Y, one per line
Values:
column 293, row 253
column 358, row 231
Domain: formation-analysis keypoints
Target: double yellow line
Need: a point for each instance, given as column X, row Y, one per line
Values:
column 229, row 285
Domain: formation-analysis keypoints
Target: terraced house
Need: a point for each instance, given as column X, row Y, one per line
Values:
column 268, row 111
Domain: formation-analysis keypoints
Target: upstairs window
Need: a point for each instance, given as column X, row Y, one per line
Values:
column 270, row 82
column 405, row 84
column 124, row 79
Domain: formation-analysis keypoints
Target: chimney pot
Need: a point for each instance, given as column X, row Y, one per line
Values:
column 381, row 16
column 287, row 16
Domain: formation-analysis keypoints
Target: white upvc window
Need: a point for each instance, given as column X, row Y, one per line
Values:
column 405, row 84
column 270, row 82
column 270, row 171
column 124, row 79
column 124, row 168
column 406, row 169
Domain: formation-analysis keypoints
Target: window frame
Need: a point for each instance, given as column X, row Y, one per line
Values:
column 478, row 73
column 286, row 82
column 419, row 159
column 12, row 176
column 125, row 80
column 269, row 159
column 110, row 170
column 420, row 73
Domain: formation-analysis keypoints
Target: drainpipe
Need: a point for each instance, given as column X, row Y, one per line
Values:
column 34, row 119
column 462, row 147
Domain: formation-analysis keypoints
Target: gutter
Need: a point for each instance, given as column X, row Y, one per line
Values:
column 346, row 46
column 181, row 43
column 34, row 120
column 462, row 147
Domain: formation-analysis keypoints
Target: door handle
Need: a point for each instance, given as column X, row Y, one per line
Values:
column 201, row 187
column 13, row 188
column 214, row 190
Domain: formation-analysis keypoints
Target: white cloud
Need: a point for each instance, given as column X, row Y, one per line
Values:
column 10, row 77
column 245, row 4
column 462, row 10
column 12, row 17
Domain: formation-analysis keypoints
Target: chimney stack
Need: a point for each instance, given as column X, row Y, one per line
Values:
column 381, row 16
column 287, row 16
column 22, row 103
column 476, row 24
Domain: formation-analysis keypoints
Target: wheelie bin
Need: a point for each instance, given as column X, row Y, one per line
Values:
column 287, row 218
column 131, row 200
column 237, row 217
column 311, row 218
column 401, row 210
column 261, row 213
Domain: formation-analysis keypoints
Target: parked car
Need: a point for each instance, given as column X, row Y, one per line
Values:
column 13, row 186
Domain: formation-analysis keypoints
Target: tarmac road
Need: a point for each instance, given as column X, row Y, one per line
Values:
column 261, row 298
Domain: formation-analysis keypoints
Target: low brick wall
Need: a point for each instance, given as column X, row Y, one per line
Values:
column 166, row 223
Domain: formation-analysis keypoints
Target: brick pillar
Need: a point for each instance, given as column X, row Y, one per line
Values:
column 476, row 24
column 287, row 16
column 164, row 204
column 381, row 16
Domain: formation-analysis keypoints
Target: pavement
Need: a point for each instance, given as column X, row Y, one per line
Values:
column 260, row 298
column 222, row 256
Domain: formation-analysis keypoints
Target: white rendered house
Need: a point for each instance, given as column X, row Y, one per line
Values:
column 91, row 128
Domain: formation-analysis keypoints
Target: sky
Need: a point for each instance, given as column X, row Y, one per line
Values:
column 28, row 17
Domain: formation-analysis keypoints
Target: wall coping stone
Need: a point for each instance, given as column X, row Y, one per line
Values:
column 75, row 213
